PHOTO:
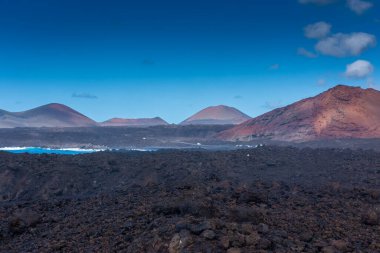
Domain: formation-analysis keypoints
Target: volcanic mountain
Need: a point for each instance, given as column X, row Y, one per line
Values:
column 340, row 112
column 157, row 121
column 50, row 115
column 217, row 115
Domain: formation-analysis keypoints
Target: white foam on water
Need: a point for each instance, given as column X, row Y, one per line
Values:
column 51, row 149
column 14, row 148
column 79, row 150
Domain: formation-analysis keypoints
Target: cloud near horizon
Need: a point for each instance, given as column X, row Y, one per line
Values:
column 359, row 69
column 344, row 45
column 338, row 44
column 84, row 95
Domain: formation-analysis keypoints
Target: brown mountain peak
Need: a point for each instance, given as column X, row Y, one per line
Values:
column 340, row 112
column 50, row 115
column 216, row 115
column 156, row 121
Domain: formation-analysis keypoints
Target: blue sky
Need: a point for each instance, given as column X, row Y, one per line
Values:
column 171, row 58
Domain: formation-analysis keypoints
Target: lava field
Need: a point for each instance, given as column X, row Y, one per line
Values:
column 268, row 199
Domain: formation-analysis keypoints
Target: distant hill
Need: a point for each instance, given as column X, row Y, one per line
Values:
column 157, row 121
column 50, row 115
column 340, row 112
column 217, row 115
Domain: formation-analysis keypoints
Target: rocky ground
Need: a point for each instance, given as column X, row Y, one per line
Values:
column 269, row 199
column 113, row 137
column 171, row 136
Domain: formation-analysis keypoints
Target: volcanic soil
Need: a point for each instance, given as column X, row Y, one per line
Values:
column 268, row 199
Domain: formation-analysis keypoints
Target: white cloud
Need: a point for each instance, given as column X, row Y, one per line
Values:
column 343, row 45
column 359, row 6
column 319, row 2
column 304, row 52
column 317, row 30
column 359, row 69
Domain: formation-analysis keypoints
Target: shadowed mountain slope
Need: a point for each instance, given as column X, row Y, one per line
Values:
column 50, row 115
column 157, row 121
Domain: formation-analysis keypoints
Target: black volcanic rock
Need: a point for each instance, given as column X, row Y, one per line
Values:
column 311, row 201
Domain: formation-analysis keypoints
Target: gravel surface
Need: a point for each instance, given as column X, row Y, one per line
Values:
column 269, row 199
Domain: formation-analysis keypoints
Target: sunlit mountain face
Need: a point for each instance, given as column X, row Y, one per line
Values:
column 340, row 112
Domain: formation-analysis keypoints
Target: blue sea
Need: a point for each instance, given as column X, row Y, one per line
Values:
column 35, row 150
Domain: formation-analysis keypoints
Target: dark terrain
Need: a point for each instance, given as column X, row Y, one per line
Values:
column 171, row 136
column 269, row 199
column 112, row 137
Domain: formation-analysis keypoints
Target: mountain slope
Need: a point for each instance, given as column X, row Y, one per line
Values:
column 340, row 112
column 157, row 121
column 217, row 115
column 50, row 115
